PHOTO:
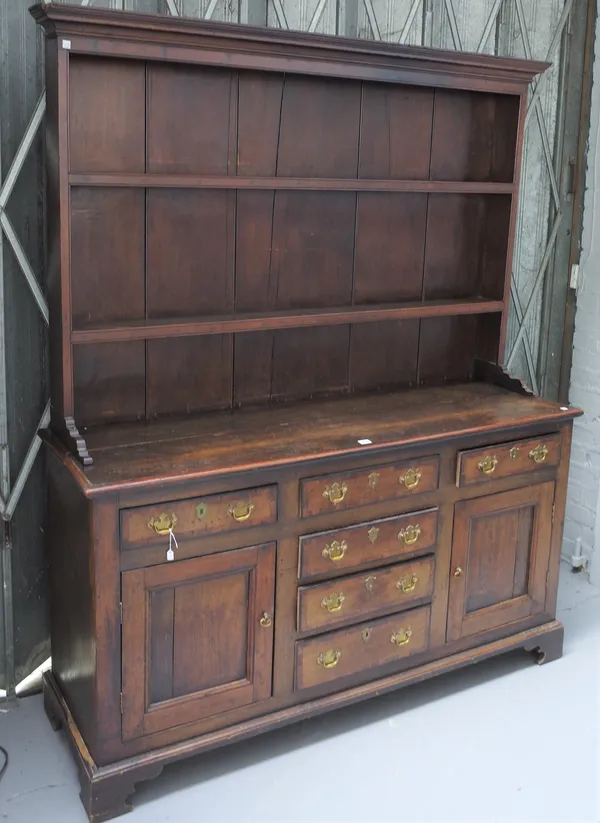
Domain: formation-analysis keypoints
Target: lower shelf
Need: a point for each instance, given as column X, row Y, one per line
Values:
column 106, row 790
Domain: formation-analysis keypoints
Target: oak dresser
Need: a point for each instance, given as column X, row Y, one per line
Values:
column 286, row 471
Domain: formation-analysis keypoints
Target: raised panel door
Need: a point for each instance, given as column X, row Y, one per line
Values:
column 197, row 638
column 500, row 553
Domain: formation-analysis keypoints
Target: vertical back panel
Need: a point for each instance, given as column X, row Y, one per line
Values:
column 107, row 255
column 109, row 382
column 190, row 249
column 106, row 114
column 319, row 130
column 189, row 374
column 396, row 125
column 390, row 243
column 188, row 119
column 259, row 113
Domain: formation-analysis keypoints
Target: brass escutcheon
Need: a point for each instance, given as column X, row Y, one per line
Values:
column 374, row 479
column 335, row 493
column 373, row 534
column 366, row 634
column 164, row 523
column 402, row 637
column 335, row 550
column 410, row 534
column 408, row 583
column 539, row 454
column 513, row 453
column 201, row 511
column 370, row 582
column 241, row 511
column 265, row 620
column 488, row 464
column 410, row 478
column 329, row 659
column 333, row 602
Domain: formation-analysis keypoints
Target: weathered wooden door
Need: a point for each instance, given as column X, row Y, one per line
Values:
column 197, row 638
column 500, row 553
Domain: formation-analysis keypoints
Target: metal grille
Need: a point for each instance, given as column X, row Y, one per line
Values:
column 537, row 28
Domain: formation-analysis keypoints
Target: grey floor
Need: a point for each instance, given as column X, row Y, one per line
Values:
column 502, row 741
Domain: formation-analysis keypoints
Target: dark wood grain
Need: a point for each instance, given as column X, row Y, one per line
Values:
column 320, row 123
column 161, row 328
column 396, row 125
column 189, row 374
column 218, row 601
column 369, row 594
column 508, row 459
column 198, row 516
column 378, row 482
column 353, row 653
column 191, row 181
column 483, row 130
column 189, row 268
column 494, row 539
column 109, row 382
column 250, row 217
column 108, row 282
column 250, row 439
column 390, row 241
column 108, row 135
column 200, row 98
column 370, row 543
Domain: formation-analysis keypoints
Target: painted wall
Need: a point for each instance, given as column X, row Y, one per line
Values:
column 583, row 502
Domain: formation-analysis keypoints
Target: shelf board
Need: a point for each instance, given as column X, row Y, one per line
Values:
column 189, row 181
column 298, row 318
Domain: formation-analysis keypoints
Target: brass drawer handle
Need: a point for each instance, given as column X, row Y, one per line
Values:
column 408, row 583
column 402, row 637
column 164, row 523
column 458, row 571
column 265, row 620
column 335, row 550
column 539, row 454
column 488, row 464
column 410, row 478
column 333, row 602
column 410, row 534
column 241, row 511
column 335, row 493
column 329, row 659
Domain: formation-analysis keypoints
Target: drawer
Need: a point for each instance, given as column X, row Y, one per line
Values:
column 518, row 457
column 361, row 595
column 359, row 488
column 335, row 655
column 369, row 543
column 199, row 516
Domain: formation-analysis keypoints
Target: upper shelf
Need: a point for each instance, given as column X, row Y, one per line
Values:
column 192, row 181
column 183, row 327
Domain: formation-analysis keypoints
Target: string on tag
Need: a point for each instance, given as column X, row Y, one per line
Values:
column 172, row 539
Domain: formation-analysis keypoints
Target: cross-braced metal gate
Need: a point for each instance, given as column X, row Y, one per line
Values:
column 553, row 30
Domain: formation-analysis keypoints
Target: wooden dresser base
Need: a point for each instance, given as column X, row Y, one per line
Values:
column 106, row 790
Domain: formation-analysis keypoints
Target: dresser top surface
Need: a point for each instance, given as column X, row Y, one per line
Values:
column 129, row 455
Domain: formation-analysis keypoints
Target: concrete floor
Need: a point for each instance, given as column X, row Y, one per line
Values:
column 502, row 741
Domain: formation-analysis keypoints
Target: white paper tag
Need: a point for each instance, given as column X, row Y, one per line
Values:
column 66, row 44
column 364, row 441
column 172, row 540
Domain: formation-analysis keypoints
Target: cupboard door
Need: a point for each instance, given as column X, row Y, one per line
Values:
column 500, row 553
column 197, row 638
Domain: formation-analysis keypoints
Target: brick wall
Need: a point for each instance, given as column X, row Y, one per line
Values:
column 583, row 501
